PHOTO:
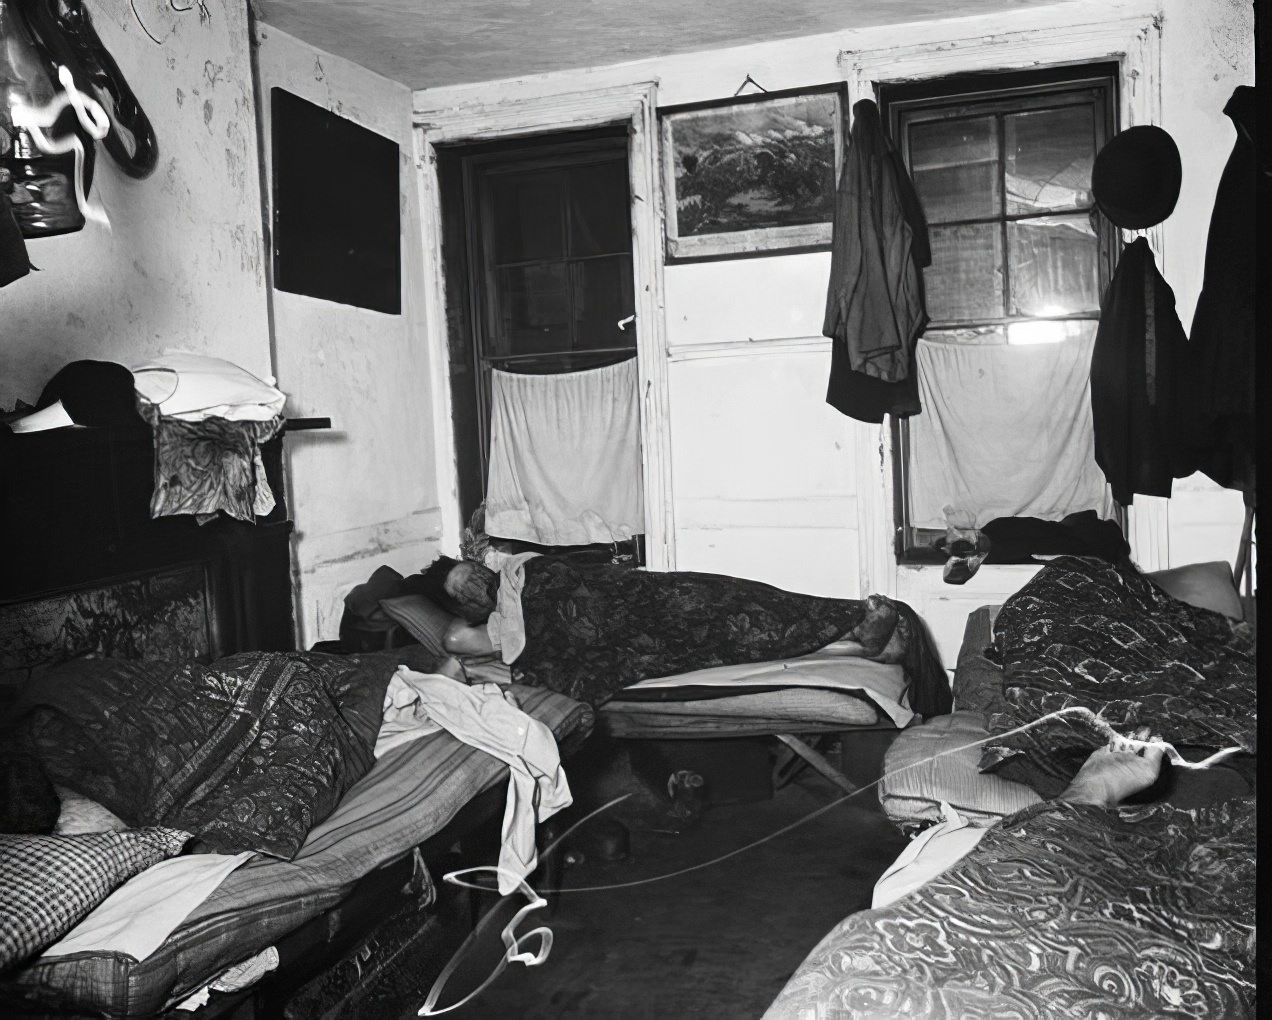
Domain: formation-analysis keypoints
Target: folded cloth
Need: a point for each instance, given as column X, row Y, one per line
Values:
column 136, row 918
column 191, row 387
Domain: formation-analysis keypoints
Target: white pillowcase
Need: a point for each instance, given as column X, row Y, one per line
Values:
column 192, row 387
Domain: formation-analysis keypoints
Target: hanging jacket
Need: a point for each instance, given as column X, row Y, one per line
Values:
column 874, row 305
column 1220, row 402
column 1136, row 380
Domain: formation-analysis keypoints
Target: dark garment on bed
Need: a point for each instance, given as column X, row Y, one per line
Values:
column 247, row 753
column 1137, row 379
column 874, row 304
column 594, row 628
column 1060, row 911
column 1020, row 539
column 1086, row 633
column 1221, row 375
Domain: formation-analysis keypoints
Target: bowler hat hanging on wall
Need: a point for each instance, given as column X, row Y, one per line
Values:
column 1136, row 177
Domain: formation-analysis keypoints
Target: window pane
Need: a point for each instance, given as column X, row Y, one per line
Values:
column 600, row 223
column 1054, row 265
column 525, row 219
column 954, row 165
column 965, row 280
column 533, row 310
column 1049, row 159
column 603, row 297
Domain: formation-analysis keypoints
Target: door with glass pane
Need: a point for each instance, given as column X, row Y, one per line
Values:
column 550, row 256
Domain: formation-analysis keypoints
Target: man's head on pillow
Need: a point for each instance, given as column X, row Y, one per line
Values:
column 462, row 587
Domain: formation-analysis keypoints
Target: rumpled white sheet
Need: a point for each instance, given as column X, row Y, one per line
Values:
column 485, row 716
column 137, row 917
column 565, row 463
column 932, row 852
column 1006, row 431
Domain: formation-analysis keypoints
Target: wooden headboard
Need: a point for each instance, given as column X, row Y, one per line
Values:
column 84, row 568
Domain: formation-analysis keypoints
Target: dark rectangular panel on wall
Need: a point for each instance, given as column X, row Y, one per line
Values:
column 337, row 234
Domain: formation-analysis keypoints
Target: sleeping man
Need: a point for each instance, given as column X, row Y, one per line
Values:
column 587, row 630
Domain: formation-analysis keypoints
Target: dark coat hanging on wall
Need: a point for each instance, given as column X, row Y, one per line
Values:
column 1136, row 380
column 1220, row 399
column 874, row 306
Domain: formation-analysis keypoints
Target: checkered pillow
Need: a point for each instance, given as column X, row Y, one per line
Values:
column 48, row 884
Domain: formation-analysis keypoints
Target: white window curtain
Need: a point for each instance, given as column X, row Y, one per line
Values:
column 565, row 464
column 1005, row 432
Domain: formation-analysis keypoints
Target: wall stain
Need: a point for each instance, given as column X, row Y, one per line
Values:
column 212, row 73
column 180, row 97
column 207, row 114
column 75, row 321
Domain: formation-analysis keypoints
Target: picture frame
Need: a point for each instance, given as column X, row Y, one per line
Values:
column 752, row 175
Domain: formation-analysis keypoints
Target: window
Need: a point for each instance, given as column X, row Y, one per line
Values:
column 1020, row 255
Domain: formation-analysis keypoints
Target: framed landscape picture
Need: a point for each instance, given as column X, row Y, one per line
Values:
column 752, row 175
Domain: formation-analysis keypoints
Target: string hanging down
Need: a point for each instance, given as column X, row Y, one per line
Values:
column 748, row 80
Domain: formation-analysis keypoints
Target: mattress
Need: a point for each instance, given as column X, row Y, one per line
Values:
column 409, row 794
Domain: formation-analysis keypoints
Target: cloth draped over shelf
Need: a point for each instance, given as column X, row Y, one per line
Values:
column 874, row 306
column 565, row 460
column 985, row 442
column 1137, row 381
column 1221, row 395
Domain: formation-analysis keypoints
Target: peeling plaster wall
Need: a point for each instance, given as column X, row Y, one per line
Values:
column 180, row 265
column 364, row 493
column 768, row 481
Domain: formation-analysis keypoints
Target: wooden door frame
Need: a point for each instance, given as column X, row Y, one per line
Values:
column 489, row 120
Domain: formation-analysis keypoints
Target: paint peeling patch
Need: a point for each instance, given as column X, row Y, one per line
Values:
column 212, row 73
column 319, row 73
column 207, row 114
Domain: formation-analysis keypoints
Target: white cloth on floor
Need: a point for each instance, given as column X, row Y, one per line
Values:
column 565, row 462
column 1006, row 431
column 932, row 852
column 485, row 716
column 137, row 917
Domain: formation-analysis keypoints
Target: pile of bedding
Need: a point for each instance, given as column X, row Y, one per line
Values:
column 1087, row 633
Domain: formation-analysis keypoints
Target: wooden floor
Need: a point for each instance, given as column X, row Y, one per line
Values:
column 707, row 923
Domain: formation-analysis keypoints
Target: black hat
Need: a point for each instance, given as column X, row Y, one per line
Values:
column 1136, row 176
column 84, row 393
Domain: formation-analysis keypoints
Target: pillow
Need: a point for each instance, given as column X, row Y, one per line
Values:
column 49, row 883
column 918, row 775
column 82, row 814
column 196, row 386
column 423, row 619
column 1205, row 585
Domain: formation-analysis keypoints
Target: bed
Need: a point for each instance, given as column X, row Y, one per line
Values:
column 319, row 834
column 1023, row 906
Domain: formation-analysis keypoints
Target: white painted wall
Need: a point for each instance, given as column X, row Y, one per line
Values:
column 364, row 493
column 180, row 265
column 770, row 483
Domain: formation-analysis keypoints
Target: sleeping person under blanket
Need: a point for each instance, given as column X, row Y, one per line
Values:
column 588, row 629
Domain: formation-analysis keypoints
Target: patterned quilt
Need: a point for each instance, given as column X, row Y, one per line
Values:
column 594, row 628
column 248, row 753
column 1084, row 632
column 1061, row 910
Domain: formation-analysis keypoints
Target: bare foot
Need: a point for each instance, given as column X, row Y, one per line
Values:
column 1117, row 771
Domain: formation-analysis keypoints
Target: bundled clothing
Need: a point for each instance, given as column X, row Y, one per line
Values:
column 874, row 306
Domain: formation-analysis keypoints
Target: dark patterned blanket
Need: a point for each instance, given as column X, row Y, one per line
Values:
column 592, row 629
column 247, row 753
column 1061, row 910
column 1084, row 632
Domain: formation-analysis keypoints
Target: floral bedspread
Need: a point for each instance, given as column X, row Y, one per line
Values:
column 1084, row 632
column 592, row 629
column 1061, row 910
